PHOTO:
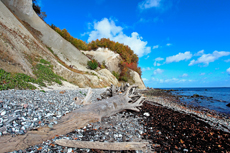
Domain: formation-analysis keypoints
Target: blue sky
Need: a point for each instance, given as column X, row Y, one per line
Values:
column 180, row 43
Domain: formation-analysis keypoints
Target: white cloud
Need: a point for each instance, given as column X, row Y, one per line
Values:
column 228, row 60
column 159, row 59
column 146, row 4
column 144, row 79
column 185, row 75
column 156, row 46
column 168, row 44
column 147, row 57
column 202, row 74
column 228, row 70
column 147, row 69
column 158, row 64
column 156, row 61
column 207, row 58
column 172, row 80
column 201, row 52
column 158, row 71
column 107, row 29
column 179, row 57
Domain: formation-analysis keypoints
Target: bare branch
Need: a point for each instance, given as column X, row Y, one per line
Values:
column 103, row 145
column 87, row 97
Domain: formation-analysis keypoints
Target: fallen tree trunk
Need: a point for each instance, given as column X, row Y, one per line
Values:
column 103, row 145
column 74, row 120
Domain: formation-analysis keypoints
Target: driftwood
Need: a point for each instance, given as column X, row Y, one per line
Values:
column 114, row 91
column 86, row 100
column 74, row 120
column 103, row 145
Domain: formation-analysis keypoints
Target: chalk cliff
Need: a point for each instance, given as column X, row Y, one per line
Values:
column 24, row 37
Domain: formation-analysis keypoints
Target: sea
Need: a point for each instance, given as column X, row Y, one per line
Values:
column 212, row 98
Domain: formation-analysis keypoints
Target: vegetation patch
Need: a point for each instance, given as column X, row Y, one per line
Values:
column 93, row 64
column 44, row 61
column 42, row 70
column 116, row 74
column 15, row 81
column 124, row 78
column 44, row 73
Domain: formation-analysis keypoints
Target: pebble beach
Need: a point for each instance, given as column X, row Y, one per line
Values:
column 174, row 127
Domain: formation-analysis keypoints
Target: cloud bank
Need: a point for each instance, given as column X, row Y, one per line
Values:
column 208, row 58
column 107, row 29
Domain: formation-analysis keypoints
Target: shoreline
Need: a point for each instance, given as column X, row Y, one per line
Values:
column 152, row 132
column 216, row 119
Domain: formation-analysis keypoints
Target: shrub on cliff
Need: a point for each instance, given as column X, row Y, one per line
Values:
column 116, row 74
column 92, row 64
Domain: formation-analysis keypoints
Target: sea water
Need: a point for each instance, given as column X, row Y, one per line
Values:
column 211, row 98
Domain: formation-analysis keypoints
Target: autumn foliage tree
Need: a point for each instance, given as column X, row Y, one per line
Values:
column 129, row 58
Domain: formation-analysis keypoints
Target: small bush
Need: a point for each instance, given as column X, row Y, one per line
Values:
column 124, row 78
column 92, row 64
column 117, row 75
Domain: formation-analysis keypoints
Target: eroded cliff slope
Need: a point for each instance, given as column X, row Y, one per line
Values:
column 25, row 38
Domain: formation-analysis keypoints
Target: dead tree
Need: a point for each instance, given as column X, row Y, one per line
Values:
column 77, row 119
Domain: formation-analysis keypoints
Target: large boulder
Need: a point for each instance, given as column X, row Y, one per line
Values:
column 110, row 58
column 64, row 49
column 137, row 79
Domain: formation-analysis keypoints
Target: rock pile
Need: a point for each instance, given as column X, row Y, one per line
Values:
column 21, row 110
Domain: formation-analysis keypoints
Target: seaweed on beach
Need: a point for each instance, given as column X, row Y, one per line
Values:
column 178, row 132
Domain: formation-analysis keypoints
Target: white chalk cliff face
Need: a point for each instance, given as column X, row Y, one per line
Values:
column 64, row 49
column 18, row 46
column 137, row 79
column 110, row 58
column 17, row 43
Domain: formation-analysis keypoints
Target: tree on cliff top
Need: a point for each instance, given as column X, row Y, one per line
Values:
column 37, row 9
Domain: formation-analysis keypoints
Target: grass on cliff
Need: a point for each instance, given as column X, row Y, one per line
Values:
column 42, row 70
